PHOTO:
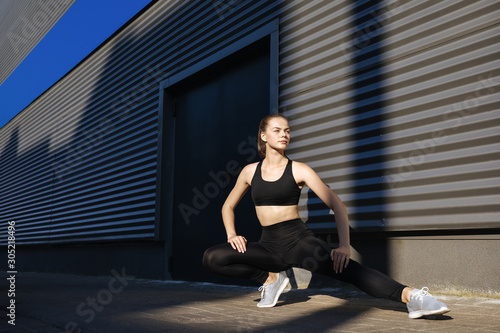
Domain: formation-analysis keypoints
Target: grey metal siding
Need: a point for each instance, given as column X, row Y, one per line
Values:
column 393, row 103
column 80, row 162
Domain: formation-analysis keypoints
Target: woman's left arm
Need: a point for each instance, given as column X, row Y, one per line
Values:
column 305, row 174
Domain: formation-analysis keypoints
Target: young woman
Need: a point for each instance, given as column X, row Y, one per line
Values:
column 286, row 241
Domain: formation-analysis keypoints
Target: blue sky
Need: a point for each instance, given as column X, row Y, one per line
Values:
column 85, row 25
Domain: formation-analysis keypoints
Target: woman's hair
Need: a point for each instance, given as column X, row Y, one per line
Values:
column 262, row 128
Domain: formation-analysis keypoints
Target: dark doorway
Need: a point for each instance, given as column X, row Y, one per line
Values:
column 217, row 113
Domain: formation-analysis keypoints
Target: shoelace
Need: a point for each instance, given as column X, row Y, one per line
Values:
column 423, row 292
column 262, row 290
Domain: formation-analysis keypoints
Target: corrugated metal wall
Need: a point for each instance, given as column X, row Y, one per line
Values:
column 395, row 104
column 392, row 102
column 80, row 162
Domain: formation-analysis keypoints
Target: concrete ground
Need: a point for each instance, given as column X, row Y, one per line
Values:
column 120, row 303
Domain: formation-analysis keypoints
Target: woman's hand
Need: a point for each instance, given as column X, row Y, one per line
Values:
column 238, row 243
column 340, row 258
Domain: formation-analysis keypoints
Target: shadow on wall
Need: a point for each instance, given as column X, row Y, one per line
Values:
column 24, row 184
column 97, row 189
column 108, row 172
column 368, row 111
column 102, row 183
column 366, row 58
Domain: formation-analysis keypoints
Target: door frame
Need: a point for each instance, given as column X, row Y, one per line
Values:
column 166, row 127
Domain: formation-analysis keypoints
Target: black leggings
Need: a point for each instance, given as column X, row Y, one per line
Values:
column 292, row 244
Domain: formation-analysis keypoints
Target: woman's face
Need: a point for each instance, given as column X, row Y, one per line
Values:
column 277, row 133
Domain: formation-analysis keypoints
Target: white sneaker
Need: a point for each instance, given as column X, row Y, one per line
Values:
column 272, row 291
column 424, row 304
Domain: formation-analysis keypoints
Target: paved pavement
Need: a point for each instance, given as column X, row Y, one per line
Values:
column 119, row 303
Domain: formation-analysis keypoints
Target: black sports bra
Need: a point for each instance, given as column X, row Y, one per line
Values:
column 282, row 192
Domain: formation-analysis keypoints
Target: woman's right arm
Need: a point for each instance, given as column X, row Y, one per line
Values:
column 240, row 188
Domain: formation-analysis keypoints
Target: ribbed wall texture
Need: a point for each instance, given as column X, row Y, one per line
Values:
column 396, row 105
column 80, row 162
column 22, row 25
column 391, row 102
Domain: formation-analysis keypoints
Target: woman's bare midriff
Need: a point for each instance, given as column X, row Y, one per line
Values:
column 269, row 215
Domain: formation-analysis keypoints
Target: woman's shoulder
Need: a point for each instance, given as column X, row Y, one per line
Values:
column 300, row 165
column 301, row 170
column 247, row 173
column 249, row 169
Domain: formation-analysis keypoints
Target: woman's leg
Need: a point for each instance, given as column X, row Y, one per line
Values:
column 313, row 254
column 254, row 264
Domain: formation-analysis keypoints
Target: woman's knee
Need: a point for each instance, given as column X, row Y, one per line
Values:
column 209, row 258
column 213, row 256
